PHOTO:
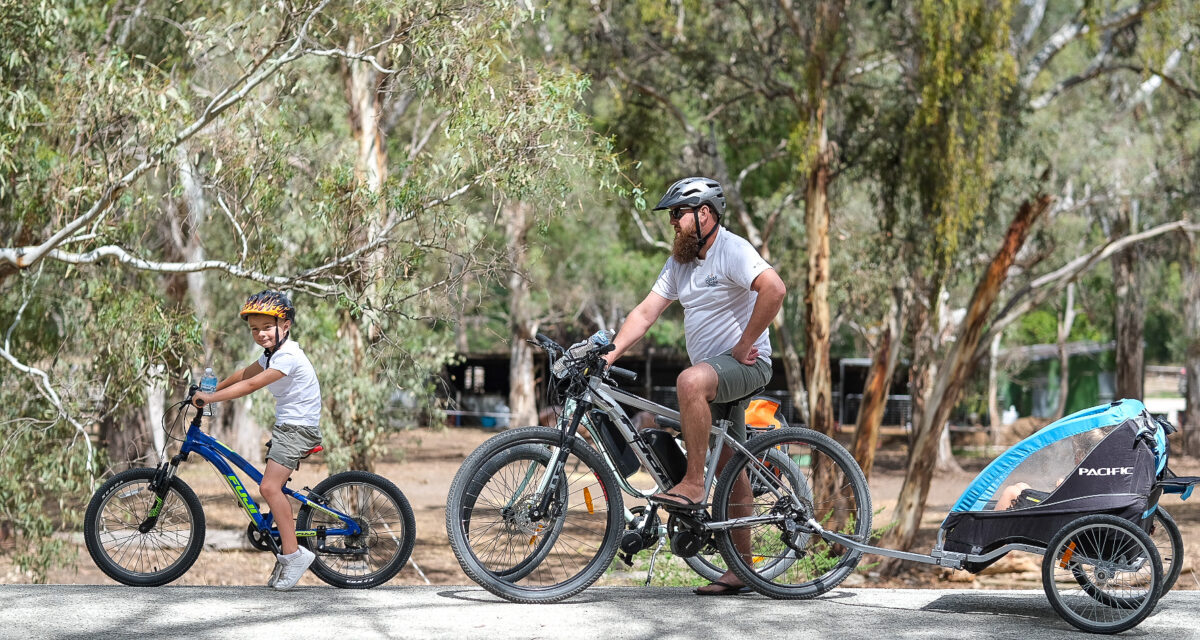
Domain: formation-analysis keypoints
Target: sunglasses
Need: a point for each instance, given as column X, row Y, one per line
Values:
column 679, row 212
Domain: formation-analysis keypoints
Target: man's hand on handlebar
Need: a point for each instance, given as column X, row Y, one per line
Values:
column 199, row 399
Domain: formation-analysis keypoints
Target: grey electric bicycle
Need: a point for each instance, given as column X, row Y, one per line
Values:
column 536, row 514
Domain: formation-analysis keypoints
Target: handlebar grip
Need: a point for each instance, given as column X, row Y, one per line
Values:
column 606, row 348
column 624, row 374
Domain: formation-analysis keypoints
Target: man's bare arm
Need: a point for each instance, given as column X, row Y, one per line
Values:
column 771, row 291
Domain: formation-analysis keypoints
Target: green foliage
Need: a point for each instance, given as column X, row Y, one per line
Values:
column 964, row 74
column 274, row 186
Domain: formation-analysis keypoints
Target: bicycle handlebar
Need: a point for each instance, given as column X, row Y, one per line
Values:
column 624, row 374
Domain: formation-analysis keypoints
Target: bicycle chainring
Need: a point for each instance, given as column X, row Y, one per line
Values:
column 257, row 538
column 688, row 535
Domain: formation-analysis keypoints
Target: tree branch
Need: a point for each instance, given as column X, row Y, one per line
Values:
column 1094, row 69
column 1072, row 31
column 1037, row 11
column 1041, row 288
column 122, row 256
column 42, row 383
column 659, row 244
column 659, row 96
column 24, row 257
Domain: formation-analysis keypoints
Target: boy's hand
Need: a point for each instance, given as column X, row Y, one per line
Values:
column 200, row 399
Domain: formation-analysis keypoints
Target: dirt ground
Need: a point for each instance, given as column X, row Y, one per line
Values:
column 424, row 461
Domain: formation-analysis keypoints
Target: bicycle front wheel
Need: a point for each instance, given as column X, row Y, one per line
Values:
column 379, row 551
column 522, row 557
column 803, row 474
column 111, row 529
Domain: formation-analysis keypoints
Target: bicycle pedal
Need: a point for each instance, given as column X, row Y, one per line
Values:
column 626, row 557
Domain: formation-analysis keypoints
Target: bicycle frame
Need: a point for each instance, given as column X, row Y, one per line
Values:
column 219, row 456
column 608, row 399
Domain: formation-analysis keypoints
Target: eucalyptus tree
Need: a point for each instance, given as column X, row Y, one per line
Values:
column 956, row 181
column 757, row 95
column 151, row 141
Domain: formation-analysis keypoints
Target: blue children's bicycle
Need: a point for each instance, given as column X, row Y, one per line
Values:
column 145, row 527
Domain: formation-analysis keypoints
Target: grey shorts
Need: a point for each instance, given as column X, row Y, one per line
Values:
column 735, row 380
column 290, row 441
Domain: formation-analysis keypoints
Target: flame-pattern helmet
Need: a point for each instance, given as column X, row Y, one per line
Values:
column 269, row 303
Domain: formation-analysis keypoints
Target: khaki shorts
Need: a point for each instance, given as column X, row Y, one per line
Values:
column 290, row 441
column 736, row 380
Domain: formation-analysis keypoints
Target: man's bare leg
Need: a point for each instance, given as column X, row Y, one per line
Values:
column 696, row 387
column 740, row 505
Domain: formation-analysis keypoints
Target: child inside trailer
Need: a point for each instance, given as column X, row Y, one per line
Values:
column 1055, row 461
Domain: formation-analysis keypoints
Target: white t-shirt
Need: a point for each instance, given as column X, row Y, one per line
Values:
column 716, row 296
column 297, row 393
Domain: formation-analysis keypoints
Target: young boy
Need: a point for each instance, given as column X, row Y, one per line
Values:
column 285, row 370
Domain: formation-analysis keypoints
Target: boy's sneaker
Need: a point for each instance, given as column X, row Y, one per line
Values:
column 276, row 571
column 294, row 566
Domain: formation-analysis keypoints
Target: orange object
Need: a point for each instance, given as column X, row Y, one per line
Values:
column 760, row 413
column 1066, row 556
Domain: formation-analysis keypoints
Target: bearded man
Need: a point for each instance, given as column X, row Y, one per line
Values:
column 729, row 295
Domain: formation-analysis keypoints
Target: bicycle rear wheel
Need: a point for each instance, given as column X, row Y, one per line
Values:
column 111, row 529
column 1165, row 534
column 503, row 547
column 785, row 558
column 710, row 564
column 389, row 530
column 1102, row 574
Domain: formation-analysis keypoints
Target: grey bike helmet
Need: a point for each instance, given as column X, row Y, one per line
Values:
column 694, row 192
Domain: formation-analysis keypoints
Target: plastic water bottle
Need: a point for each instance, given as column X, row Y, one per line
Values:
column 208, row 384
column 597, row 340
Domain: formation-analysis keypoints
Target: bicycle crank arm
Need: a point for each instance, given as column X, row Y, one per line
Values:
column 341, row 552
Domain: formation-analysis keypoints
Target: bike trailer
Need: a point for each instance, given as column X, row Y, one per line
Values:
column 1104, row 460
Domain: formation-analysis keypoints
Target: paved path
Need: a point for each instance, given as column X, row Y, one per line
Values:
column 50, row 611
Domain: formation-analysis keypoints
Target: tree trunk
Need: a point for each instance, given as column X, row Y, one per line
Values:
column 1189, row 435
column 1065, row 321
column 994, row 419
column 946, row 464
column 189, row 239
column 879, row 381
column 923, row 323
column 156, row 398
column 952, row 377
column 817, row 370
column 521, row 397
column 123, row 436
column 364, row 97
column 1131, row 313
column 793, row 367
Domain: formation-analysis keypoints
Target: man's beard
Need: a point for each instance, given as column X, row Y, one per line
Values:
column 687, row 247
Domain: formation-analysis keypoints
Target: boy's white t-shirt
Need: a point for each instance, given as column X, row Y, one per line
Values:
column 716, row 296
column 297, row 393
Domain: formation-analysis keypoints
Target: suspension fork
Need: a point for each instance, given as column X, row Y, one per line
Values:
column 558, row 460
column 159, row 486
